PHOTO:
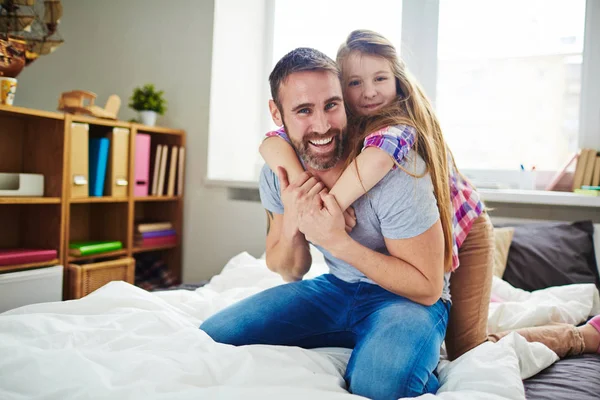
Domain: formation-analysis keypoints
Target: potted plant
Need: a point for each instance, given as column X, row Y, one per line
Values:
column 148, row 103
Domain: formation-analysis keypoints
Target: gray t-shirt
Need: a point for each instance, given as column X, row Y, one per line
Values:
column 398, row 207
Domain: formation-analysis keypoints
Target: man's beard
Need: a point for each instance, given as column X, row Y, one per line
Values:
column 315, row 160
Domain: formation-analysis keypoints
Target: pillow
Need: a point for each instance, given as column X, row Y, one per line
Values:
column 503, row 238
column 551, row 254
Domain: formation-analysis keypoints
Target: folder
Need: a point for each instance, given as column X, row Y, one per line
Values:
column 142, row 164
column 79, row 160
column 157, row 157
column 117, row 181
column 180, row 171
column 172, row 170
column 162, row 171
column 98, row 158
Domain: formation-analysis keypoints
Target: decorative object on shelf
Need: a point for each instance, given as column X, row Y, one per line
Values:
column 28, row 30
column 8, row 89
column 82, row 102
column 148, row 103
column 21, row 185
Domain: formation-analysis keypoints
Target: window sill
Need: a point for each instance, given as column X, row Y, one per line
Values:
column 540, row 197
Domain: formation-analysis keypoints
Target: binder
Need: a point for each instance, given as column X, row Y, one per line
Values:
column 162, row 171
column 98, row 158
column 172, row 170
column 118, row 163
column 79, row 160
column 142, row 164
column 180, row 171
column 157, row 155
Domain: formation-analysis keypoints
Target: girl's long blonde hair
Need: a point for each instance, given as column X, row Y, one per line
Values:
column 412, row 108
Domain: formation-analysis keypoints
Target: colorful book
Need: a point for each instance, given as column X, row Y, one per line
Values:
column 98, row 158
column 587, row 192
column 93, row 247
column 157, row 241
column 153, row 226
column 26, row 256
column 153, row 234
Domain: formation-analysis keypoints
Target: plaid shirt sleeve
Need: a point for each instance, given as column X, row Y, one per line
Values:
column 394, row 140
column 279, row 132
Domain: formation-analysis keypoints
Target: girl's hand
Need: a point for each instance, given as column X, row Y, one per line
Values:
column 350, row 219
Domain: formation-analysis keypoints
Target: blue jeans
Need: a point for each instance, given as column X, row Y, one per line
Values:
column 396, row 341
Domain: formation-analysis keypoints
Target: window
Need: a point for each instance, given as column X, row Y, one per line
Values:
column 509, row 81
column 324, row 25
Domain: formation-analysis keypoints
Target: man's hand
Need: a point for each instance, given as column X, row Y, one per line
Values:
column 323, row 222
column 296, row 196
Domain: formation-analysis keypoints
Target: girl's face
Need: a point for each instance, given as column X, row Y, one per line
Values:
column 369, row 82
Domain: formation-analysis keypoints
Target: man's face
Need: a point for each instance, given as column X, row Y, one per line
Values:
column 312, row 111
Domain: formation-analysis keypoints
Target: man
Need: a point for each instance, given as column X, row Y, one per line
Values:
column 382, row 297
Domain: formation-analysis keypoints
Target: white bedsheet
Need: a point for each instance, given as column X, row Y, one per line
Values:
column 122, row 342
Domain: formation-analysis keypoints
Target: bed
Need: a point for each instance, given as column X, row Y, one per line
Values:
column 124, row 342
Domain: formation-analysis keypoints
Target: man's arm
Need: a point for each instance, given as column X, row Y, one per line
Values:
column 287, row 254
column 414, row 269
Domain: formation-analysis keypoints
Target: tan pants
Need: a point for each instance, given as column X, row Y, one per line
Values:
column 470, row 287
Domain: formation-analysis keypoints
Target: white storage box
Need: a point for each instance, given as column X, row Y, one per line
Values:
column 21, row 185
column 28, row 287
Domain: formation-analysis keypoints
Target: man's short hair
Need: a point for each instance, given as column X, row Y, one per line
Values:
column 298, row 60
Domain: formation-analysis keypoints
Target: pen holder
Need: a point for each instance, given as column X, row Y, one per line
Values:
column 527, row 180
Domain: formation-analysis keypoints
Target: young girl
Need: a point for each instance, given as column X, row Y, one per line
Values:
column 388, row 115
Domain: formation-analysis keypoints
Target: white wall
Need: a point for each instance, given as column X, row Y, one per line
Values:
column 112, row 46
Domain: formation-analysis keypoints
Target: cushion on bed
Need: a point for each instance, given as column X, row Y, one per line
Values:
column 503, row 238
column 551, row 254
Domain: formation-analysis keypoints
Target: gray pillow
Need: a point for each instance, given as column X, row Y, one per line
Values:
column 552, row 254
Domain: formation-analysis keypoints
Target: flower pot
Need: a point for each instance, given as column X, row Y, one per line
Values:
column 148, row 117
column 8, row 88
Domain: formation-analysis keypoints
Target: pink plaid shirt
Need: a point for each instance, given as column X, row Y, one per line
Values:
column 466, row 202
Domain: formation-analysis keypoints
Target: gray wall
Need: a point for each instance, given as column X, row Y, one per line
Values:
column 112, row 46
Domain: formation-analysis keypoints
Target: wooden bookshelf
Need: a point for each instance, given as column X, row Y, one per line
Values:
column 35, row 141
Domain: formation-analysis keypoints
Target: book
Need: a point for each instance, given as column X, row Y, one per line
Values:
column 587, row 192
column 596, row 174
column 158, row 241
column 153, row 226
column 590, row 187
column 93, row 247
column 589, row 167
column 25, row 256
column 98, row 158
column 580, row 169
column 153, row 234
column 157, row 160
column 180, row 172
column 161, row 173
column 172, row 169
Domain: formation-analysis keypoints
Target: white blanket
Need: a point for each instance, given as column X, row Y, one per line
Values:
column 122, row 342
